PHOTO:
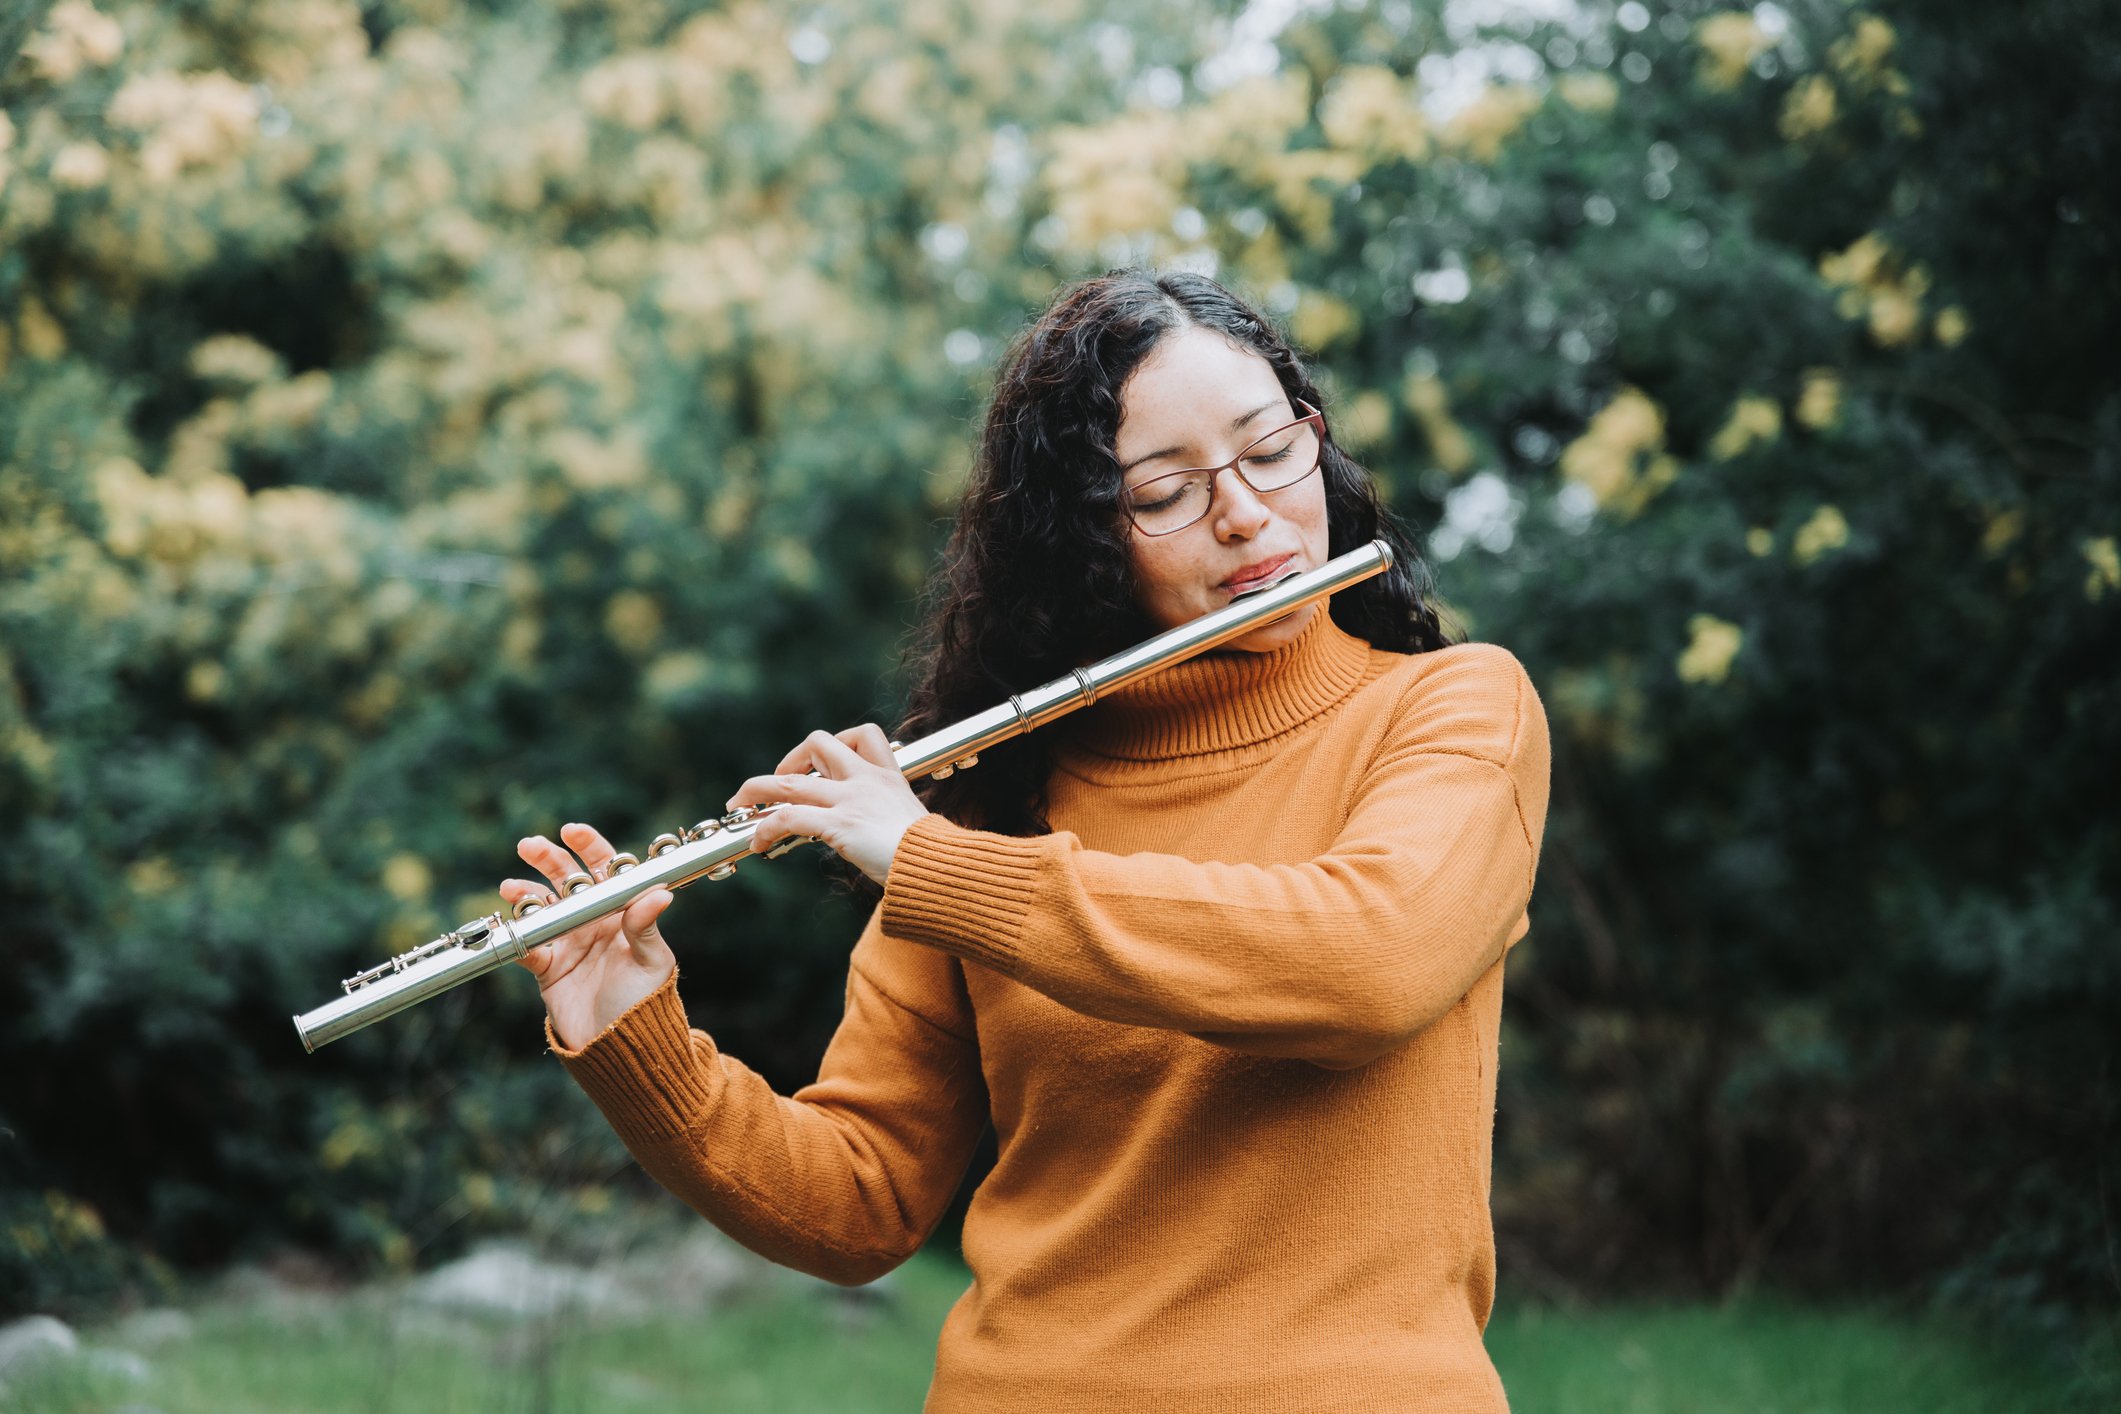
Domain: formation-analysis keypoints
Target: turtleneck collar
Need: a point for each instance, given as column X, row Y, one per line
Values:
column 1225, row 701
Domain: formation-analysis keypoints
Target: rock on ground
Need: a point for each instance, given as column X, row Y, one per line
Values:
column 504, row 1279
column 153, row 1328
column 34, row 1338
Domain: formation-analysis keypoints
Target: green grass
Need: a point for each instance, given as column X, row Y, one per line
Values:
column 777, row 1351
column 1769, row 1357
column 789, row 1349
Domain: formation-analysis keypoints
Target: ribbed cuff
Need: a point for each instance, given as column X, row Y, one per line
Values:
column 964, row 891
column 643, row 1070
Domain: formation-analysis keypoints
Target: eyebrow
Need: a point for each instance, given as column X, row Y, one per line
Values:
column 1235, row 423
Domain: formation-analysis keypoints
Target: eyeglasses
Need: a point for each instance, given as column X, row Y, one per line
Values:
column 1165, row 504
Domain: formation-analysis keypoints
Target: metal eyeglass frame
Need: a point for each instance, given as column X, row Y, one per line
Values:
column 1312, row 416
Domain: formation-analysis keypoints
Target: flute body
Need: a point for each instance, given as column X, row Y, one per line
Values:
column 712, row 848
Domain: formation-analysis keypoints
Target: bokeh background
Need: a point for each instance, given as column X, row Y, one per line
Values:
column 423, row 422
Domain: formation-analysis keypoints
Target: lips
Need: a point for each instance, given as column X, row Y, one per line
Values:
column 1256, row 576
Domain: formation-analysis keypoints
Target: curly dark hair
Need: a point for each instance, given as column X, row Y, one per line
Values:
column 1037, row 577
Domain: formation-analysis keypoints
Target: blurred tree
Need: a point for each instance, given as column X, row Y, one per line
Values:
column 424, row 424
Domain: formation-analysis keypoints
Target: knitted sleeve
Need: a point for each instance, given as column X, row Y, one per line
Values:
column 1339, row 960
column 845, row 1178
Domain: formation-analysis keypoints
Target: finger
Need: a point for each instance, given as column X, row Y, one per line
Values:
column 537, row 960
column 514, row 890
column 811, row 821
column 870, row 742
column 834, row 758
column 638, row 923
column 548, row 859
column 595, row 850
column 800, row 759
column 797, row 790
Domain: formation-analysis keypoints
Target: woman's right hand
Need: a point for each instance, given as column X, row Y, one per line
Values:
column 595, row 974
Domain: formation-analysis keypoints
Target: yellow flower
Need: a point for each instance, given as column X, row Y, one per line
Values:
column 1753, row 421
column 1951, row 326
column 184, row 121
column 1859, row 264
column 76, row 34
column 1865, row 48
column 204, row 680
column 1365, row 421
column 480, row 1192
column 1295, row 177
column 1593, row 92
column 1730, row 41
column 153, row 876
column 674, row 676
column 1714, row 643
column 1827, row 530
column 1819, row 404
column 598, row 464
column 2105, row 561
column 627, row 89
column 2002, row 531
column 73, row 1221
column 407, row 878
column 40, row 333
column 1484, row 125
column 1369, row 110
column 1895, row 316
column 1117, row 179
column 1449, row 445
column 1760, row 540
column 1320, row 320
column 351, row 1140
column 234, row 358
column 1246, row 122
column 79, row 166
column 633, row 621
column 1620, row 457
column 1809, row 110
column 1876, row 283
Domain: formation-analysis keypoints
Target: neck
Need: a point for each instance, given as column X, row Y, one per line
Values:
column 1223, row 701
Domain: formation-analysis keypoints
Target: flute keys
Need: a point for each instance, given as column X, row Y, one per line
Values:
column 620, row 863
column 576, row 882
column 526, row 906
column 942, row 773
column 742, row 815
column 721, row 871
column 663, row 844
column 966, row 763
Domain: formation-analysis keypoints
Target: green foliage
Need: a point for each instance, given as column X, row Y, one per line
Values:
column 422, row 424
column 377, row 491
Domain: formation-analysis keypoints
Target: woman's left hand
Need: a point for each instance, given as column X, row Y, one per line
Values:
column 857, row 803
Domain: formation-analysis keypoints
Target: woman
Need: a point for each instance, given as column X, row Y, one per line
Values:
column 1220, row 956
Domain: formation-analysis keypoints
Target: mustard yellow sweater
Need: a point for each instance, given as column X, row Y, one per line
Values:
column 1234, row 1021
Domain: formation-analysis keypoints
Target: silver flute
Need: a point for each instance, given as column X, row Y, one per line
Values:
column 712, row 848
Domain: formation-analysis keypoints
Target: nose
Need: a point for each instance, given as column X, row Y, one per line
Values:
column 1239, row 511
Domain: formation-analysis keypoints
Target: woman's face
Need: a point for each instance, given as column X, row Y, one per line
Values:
column 1197, row 400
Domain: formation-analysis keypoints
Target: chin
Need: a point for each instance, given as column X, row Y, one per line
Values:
column 1279, row 634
